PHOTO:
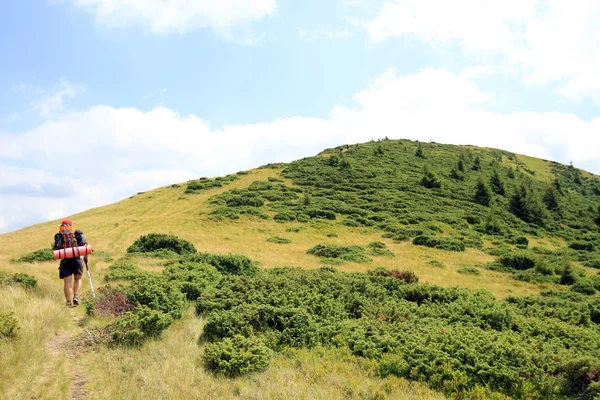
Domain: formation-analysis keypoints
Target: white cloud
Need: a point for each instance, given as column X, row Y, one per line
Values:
column 120, row 151
column 165, row 16
column 549, row 40
column 49, row 105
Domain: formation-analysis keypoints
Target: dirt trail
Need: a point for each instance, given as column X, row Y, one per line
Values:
column 66, row 344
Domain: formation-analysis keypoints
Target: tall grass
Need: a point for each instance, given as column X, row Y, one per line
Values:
column 172, row 368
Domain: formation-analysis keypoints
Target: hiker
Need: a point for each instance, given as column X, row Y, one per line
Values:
column 70, row 269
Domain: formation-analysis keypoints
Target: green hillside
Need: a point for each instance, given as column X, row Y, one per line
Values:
column 389, row 269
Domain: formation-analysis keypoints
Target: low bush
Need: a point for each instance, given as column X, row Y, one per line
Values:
column 518, row 261
column 346, row 253
column 9, row 326
column 584, row 246
column 406, row 276
column 41, row 255
column 139, row 325
column 584, row 286
column 232, row 264
column 469, row 271
column 159, row 241
column 294, row 229
column 439, row 243
column 238, row 355
column 24, row 280
column 436, row 263
column 279, row 240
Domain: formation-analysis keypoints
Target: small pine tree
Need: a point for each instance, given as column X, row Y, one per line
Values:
column 483, row 195
column 454, row 174
column 497, row 184
column 378, row 151
column 511, row 173
column 419, row 152
column 461, row 166
column 518, row 203
column 476, row 164
column 597, row 220
column 430, row 180
column 551, row 199
column 557, row 185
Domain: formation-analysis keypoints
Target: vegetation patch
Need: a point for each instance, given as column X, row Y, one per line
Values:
column 279, row 240
column 344, row 253
column 24, row 280
column 9, row 326
column 153, row 242
column 41, row 255
column 238, row 355
column 440, row 243
column 469, row 271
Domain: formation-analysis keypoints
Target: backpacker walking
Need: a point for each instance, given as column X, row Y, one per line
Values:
column 70, row 269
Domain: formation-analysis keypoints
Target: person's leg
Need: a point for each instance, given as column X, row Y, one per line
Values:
column 68, row 281
column 77, row 286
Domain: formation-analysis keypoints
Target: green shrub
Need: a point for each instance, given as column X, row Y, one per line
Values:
column 469, row 271
column 285, row 216
column 9, row 326
column 596, row 281
column 323, row 214
column 518, row 261
column 158, row 241
column 123, row 270
column 332, row 234
column 439, row 243
column 593, row 263
column 294, row 229
column 585, row 246
column 406, row 276
column 139, row 325
column 42, row 255
column 25, row 280
column 232, row 264
column 237, row 356
column 303, row 218
column 583, row 286
column 279, row 240
column 346, row 253
column 436, row 263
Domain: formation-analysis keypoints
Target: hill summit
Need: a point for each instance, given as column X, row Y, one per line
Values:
column 470, row 271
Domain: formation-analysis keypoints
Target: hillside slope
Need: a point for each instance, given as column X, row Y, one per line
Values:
column 457, row 216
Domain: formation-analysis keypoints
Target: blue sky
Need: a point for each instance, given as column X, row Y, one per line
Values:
column 152, row 92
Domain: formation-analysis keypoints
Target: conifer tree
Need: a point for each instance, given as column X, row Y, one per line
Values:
column 419, row 152
column 511, row 173
column 597, row 220
column 483, row 195
column 497, row 184
column 430, row 180
column 461, row 166
column 476, row 164
column 551, row 199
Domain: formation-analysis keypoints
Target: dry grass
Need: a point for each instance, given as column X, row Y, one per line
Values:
column 172, row 369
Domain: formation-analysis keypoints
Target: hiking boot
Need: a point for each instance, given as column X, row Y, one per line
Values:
column 69, row 303
column 76, row 300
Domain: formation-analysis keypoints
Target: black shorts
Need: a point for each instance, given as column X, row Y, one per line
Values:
column 70, row 266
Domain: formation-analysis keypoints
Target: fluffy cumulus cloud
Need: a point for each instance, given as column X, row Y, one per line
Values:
column 163, row 16
column 113, row 153
column 548, row 40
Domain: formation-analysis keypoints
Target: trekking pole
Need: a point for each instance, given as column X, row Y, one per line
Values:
column 89, row 276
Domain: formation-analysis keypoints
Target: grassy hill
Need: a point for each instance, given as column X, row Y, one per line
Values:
column 505, row 248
